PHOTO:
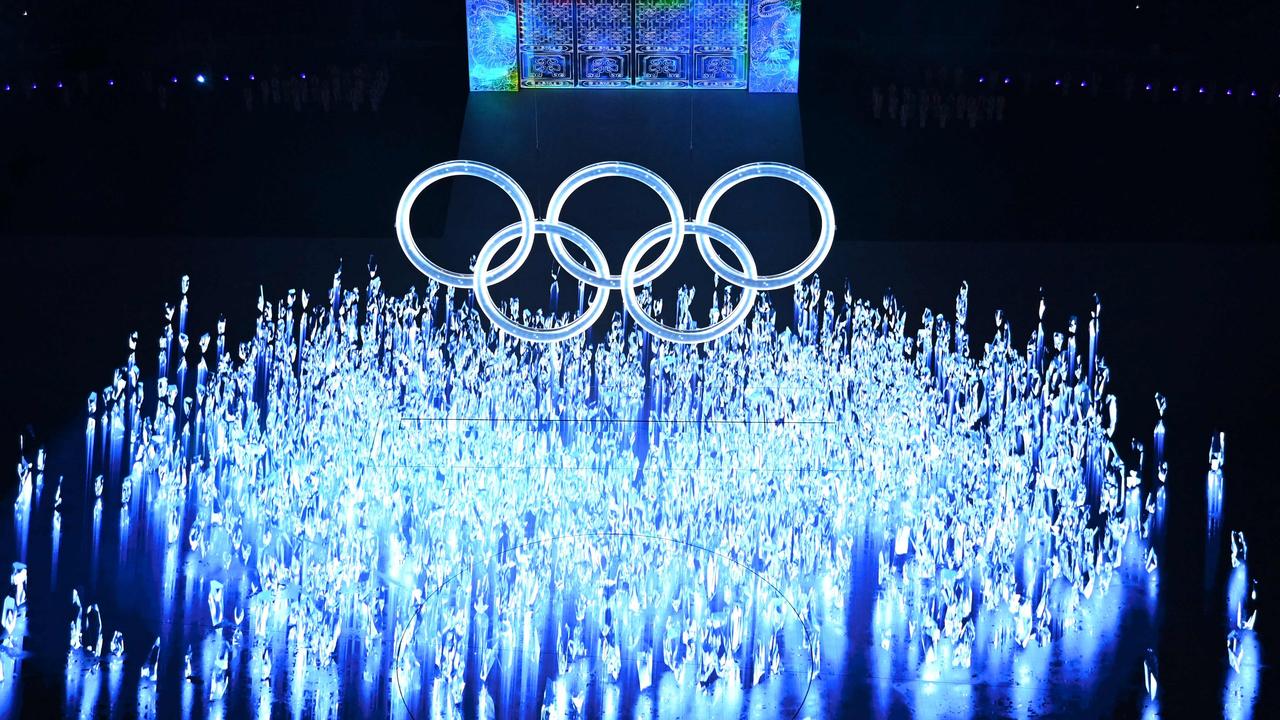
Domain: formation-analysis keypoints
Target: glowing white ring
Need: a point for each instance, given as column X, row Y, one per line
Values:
column 483, row 280
column 826, row 235
column 624, row 170
column 631, row 276
column 726, row 324
column 465, row 168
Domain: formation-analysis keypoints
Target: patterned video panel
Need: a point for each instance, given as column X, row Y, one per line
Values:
column 546, row 43
column 644, row 43
column 604, row 43
column 719, row 43
column 775, row 46
column 491, row 45
column 664, row 43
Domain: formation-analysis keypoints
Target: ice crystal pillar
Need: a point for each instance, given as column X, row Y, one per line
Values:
column 546, row 43
column 719, row 32
column 491, row 44
column 604, row 46
column 775, row 46
column 663, row 43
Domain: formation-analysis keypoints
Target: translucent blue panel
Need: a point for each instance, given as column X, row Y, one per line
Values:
column 604, row 43
column 546, row 43
column 663, row 42
column 775, row 46
column 491, row 44
column 642, row 43
column 719, row 43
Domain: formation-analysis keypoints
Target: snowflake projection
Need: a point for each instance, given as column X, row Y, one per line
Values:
column 384, row 488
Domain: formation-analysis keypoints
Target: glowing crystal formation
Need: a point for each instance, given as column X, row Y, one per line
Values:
column 391, row 484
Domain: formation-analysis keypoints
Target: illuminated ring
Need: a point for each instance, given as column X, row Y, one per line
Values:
column 726, row 324
column 468, row 169
column 484, row 278
column 826, row 234
column 623, row 170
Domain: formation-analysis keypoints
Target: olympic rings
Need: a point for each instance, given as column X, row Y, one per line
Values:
column 631, row 276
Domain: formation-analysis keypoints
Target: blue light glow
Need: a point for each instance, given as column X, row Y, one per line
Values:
column 200, row 79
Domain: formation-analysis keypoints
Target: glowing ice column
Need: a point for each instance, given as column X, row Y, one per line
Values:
column 491, row 45
column 775, row 46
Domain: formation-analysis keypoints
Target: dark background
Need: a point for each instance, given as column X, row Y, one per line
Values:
column 1166, row 205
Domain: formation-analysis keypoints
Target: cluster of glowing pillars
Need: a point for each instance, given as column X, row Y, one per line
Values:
column 696, row 44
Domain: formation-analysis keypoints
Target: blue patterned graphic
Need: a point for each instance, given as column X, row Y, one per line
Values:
column 663, row 42
column 719, row 43
column 546, row 43
column 729, row 44
column 603, row 30
column 491, row 44
column 775, row 46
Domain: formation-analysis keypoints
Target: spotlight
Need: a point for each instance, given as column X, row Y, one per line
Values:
column 226, row 78
column 59, row 84
column 1057, row 83
column 982, row 78
column 1148, row 86
column 1084, row 84
column 251, row 77
column 200, row 79
column 302, row 75
column 111, row 83
column 1007, row 81
column 174, row 79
